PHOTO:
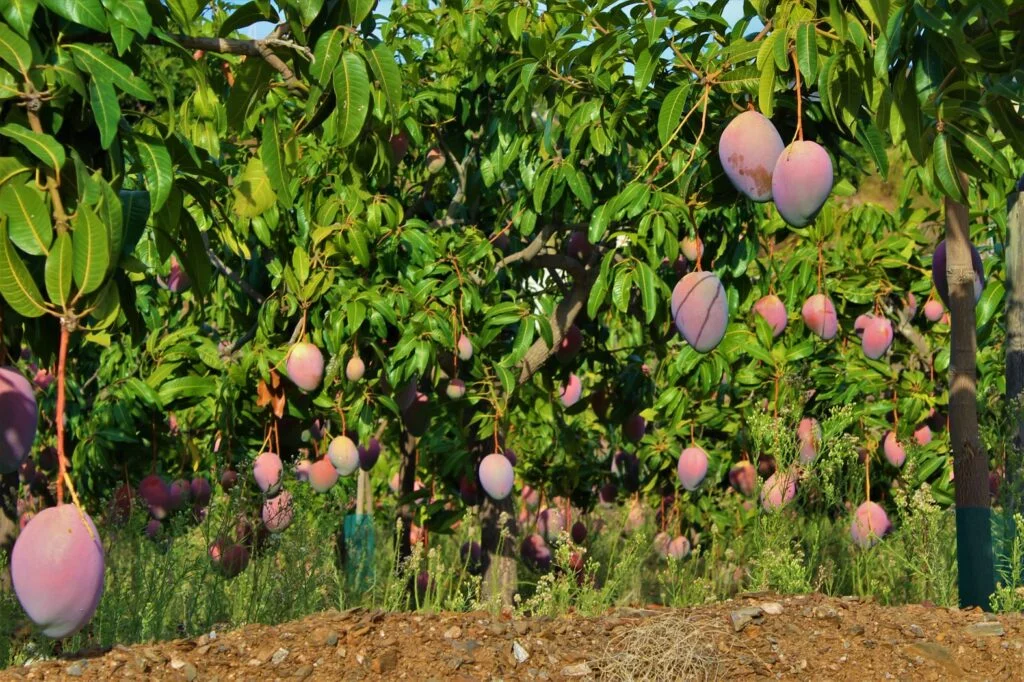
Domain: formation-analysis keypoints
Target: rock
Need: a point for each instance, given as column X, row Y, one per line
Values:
column 76, row 669
column 384, row 663
column 279, row 656
column 497, row 629
column 855, row 630
column 521, row 627
column 772, row 608
column 825, row 613
column 454, row 632
column 302, row 672
column 741, row 618
column 916, row 631
column 190, row 672
column 331, row 638
column 986, row 629
column 937, row 654
column 519, row 653
column 577, row 670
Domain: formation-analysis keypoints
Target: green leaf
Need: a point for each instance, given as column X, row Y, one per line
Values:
column 105, row 109
column 15, row 50
column 247, row 15
column 622, row 288
column 156, row 167
column 131, row 13
column 91, row 244
column 540, row 188
column 807, row 52
column 945, row 168
column 646, row 64
column 88, row 13
column 598, row 224
column 134, row 215
column 189, row 387
column 16, row 284
column 385, row 69
column 57, row 274
column 516, row 21
column 28, row 218
column 671, row 112
column 194, row 258
column 358, row 9
column 10, row 168
column 352, row 90
column 578, row 184
column 99, row 64
column 766, row 90
column 272, row 155
column 983, row 150
column 19, row 14
column 648, row 290
column 253, row 192
column 41, row 146
column 870, row 137
column 326, row 55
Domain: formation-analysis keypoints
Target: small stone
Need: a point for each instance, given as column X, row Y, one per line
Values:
column 279, row 656
column 519, row 653
column 825, row 613
column 76, row 669
column 986, row 629
column 916, row 631
column 385, row 663
column 454, row 632
column 190, row 672
column 331, row 638
column 856, row 629
column 741, row 618
column 497, row 629
column 521, row 627
column 302, row 672
column 577, row 670
column 772, row 608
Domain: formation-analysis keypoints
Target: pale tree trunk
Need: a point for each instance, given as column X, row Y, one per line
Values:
column 501, row 578
column 1015, row 337
column 970, row 462
column 406, row 483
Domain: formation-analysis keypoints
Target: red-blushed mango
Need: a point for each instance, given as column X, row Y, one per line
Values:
column 268, row 471
column 932, row 310
column 152, row 529
column 607, row 493
column 228, row 479
column 399, row 144
column 278, row 512
column 579, row 247
column 181, row 492
column 579, row 532
column 177, row 281
column 870, row 524
column 749, row 149
column 778, row 491
column 570, row 344
column 861, row 323
column 456, row 389
column 939, row 272
column 465, row 348
column 877, row 337
column 893, row 451
column 57, row 570
column 535, row 553
column 808, row 432
column 435, row 160
column 923, row 434
column 200, row 491
column 700, row 310
column 634, row 427
column 343, row 454
column 496, row 475
column 322, row 475
column 661, row 542
column 369, row 455
column 19, row 418
column 305, row 366
column 801, row 182
column 773, row 310
column 155, row 492
column 234, row 559
column 571, row 391
column 510, row 454
column 692, row 248
column 355, row 368
column 910, row 305
column 820, row 316
column 678, row 548
column 743, row 478
column 530, row 497
column 692, row 467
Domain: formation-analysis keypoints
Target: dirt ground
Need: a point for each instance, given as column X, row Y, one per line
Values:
column 755, row 636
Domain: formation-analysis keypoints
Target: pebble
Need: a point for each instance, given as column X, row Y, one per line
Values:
column 385, row 663
column 772, row 608
column 454, row 632
column 741, row 618
column 331, row 638
column 986, row 629
column 279, row 656
column 521, row 627
column 76, row 669
column 916, row 631
column 190, row 672
column 520, row 653
column 497, row 629
column 303, row 672
column 577, row 670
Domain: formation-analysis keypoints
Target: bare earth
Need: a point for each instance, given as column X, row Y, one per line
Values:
column 756, row 636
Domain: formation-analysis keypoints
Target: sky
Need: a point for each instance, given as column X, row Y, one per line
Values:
column 733, row 11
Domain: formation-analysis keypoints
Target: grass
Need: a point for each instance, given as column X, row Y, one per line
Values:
column 168, row 588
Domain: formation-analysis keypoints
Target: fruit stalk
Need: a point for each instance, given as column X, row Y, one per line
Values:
column 62, row 357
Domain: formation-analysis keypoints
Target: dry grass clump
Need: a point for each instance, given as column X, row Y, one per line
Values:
column 664, row 647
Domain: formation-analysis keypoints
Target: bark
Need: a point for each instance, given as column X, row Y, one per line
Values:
column 8, row 524
column 970, row 462
column 501, row 577
column 406, row 481
column 1015, row 340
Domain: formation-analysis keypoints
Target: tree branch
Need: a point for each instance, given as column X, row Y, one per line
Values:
column 231, row 274
column 560, row 320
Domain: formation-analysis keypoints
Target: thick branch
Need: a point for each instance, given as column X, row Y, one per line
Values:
column 526, row 253
column 561, row 320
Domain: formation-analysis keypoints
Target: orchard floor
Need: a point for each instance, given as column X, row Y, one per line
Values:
column 756, row 636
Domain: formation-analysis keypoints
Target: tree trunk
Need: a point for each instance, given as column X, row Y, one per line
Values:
column 1013, row 466
column 970, row 462
column 501, row 578
column 8, row 524
column 406, row 483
